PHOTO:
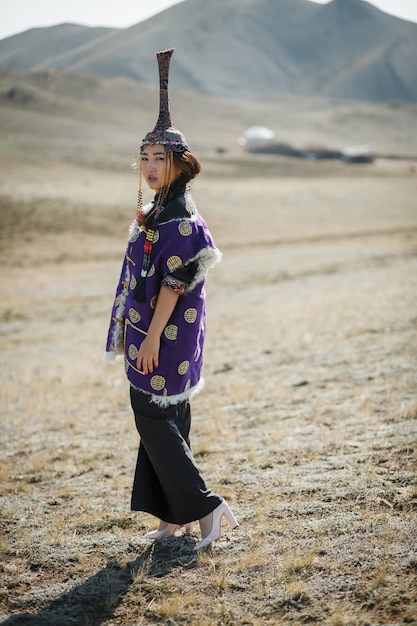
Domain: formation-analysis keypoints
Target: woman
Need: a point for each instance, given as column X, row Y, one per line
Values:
column 158, row 322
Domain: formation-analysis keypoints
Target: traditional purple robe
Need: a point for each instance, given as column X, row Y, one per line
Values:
column 177, row 243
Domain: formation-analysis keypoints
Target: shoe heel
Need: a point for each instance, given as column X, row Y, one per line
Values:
column 231, row 520
column 215, row 532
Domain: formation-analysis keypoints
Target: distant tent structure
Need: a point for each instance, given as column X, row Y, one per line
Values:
column 256, row 135
column 357, row 154
column 261, row 140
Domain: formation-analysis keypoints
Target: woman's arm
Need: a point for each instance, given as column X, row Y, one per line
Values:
column 149, row 349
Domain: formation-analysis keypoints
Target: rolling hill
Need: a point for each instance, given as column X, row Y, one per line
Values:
column 242, row 49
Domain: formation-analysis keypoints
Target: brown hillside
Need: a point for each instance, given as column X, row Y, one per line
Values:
column 242, row 48
column 80, row 118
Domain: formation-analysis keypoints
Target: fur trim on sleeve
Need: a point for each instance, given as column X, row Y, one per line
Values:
column 206, row 259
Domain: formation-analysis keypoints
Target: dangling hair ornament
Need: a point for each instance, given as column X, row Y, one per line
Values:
column 173, row 140
column 139, row 207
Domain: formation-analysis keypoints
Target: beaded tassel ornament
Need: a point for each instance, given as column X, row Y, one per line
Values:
column 139, row 291
column 139, row 205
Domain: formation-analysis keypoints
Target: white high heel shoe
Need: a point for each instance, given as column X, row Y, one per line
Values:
column 168, row 531
column 215, row 532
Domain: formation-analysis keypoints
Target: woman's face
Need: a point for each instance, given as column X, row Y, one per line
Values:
column 157, row 167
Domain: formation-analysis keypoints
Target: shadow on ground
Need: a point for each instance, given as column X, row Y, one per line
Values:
column 95, row 600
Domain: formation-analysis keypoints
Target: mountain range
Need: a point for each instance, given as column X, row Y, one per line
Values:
column 242, row 49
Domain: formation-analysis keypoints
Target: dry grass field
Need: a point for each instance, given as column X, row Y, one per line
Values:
column 307, row 424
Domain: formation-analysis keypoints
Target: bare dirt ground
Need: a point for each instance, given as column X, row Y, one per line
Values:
column 307, row 424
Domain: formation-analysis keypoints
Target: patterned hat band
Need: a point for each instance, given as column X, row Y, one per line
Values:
column 172, row 139
column 164, row 132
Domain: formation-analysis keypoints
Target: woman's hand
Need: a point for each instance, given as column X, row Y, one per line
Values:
column 148, row 355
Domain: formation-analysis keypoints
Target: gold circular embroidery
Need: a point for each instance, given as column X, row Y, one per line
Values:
column 153, row 302
column 171, row 332
column 133, row 352
column 183, row 367
column 152, row 270
column 133, row 283
column 157, row 382
column 174, row 262
column 185, row 228
column 134, row 315
column 190, row 315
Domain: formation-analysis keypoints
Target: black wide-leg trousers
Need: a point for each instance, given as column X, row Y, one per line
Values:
column 167, row 482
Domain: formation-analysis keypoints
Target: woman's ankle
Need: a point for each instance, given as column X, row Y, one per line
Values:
column 206, row 524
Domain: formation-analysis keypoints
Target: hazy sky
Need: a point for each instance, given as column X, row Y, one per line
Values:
column 19, row 15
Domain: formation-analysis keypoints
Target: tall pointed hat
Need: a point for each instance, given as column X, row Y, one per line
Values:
column 164, row 132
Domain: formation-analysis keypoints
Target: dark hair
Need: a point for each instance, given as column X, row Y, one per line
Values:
column 188, row 166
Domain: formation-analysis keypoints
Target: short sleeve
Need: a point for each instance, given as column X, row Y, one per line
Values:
column 180, row 278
